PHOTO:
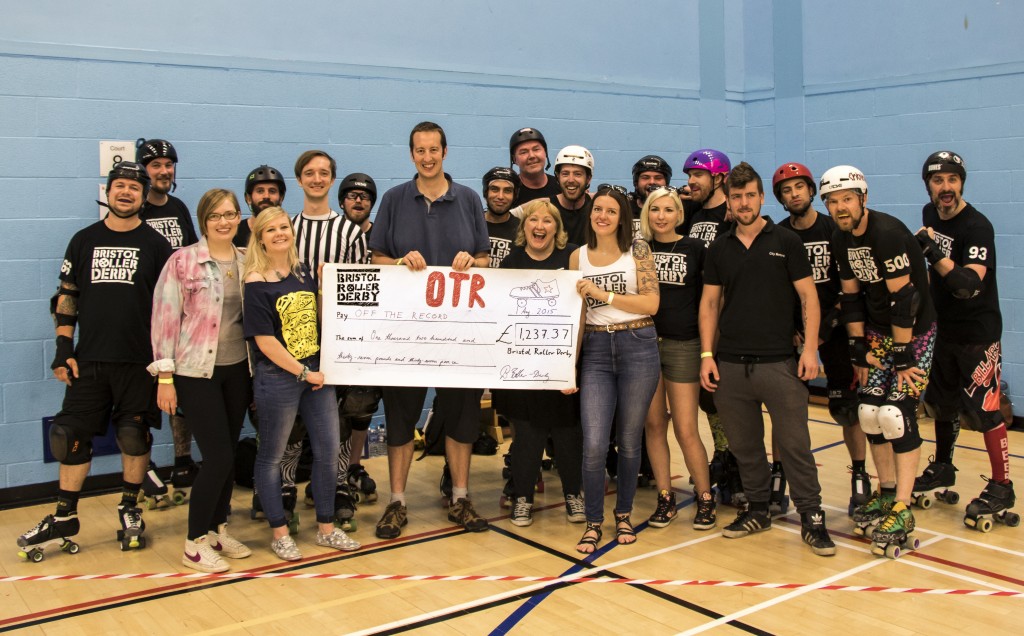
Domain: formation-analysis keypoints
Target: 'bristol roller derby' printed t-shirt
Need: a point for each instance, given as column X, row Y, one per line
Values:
column 115, row 273
column 618, row 277
column 707, row 224
column 818, row 241
column 285, row 310
column 679, row 266
column 172, row 220
column 502, row 235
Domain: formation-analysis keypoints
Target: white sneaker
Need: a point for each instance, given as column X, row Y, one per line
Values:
column 285, row 548
column 199, row 555
column 227, row 545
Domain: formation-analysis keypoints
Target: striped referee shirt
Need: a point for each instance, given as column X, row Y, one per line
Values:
column 334, row 239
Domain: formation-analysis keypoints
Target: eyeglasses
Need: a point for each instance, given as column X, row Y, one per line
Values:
column 357, row 196
column 653, row 187
column 215, row 217
column 608, row 186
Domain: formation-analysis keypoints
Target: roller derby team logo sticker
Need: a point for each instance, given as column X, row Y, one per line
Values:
column 298, row 323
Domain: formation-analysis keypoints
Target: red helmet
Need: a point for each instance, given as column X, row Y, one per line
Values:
column 791, row 171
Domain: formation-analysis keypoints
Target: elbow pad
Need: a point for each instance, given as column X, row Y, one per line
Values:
column 963, row 282
column 903, row 306
column 852, row 309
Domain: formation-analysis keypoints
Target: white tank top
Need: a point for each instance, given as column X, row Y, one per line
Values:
column 618, row 277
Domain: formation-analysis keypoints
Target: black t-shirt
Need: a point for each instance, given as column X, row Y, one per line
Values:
column 637, row 206
column 115, row 273
column 757, row 285
column 525, row 195
column 968, row 239
column 679, row 266
column 286, row 310
column 576, row 222
column 242, row 238
column 818, row 241
column 502, row 235
column 519, row 259
column 707, row 224
column 886, row 250
column 172, row 220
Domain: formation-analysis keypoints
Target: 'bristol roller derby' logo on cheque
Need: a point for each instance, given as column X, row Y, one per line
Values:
column 359, row 287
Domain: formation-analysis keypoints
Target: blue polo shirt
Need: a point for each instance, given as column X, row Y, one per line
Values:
column 438, row 230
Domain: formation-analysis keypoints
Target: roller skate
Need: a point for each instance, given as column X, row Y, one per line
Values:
column 892, row 536
column 50, row 531
column 814, row 533
column 869, row 515
column 154, row 490
column 732, row 491
column 446, row 485
column 132, row 527
column 860, row 489
column 506, row 468
column 361, row 484
column 934, row 484
column 716, row 469
column 182, row 478
column 508, row 493
column 778, row 500
column 289, row 497
column 344, row 509
column 993, row 504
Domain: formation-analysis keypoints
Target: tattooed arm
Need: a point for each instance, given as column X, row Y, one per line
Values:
column 65, row 316
column 648, row 295
column 811, row 314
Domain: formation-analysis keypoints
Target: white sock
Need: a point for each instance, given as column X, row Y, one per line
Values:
column 398, row 496
column 459, row 493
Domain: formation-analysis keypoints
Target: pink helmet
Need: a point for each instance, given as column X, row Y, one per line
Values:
column 714, row 161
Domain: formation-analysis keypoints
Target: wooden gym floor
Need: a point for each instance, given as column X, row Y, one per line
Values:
column 673, row 580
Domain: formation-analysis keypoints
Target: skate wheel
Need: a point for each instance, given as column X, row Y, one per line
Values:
column 924, row 502
column 23, row 555
column 348, row 525
column 70, row 547
column 293, row 524
column 178, row 497
column 504, row 502
column 37, row 556
column 858, row 531
column 912, row 543
column 877, row 550
column 370, row 497
column 985, row 525
column 950, row 497
column 892, row 551
column 970, row 522
column 150, row 503
column 1011, row 519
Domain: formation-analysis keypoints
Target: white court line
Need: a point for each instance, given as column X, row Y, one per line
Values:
column 586, row 572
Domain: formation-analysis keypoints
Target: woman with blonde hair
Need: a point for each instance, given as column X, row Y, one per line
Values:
column 282, row 315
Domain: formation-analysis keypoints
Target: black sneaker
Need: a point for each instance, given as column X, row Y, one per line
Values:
column 812, row 529
column 705, row 519
column 522, row 512
column 665, row 511
column 462, row 513
column 393, row 520
column 747, row 522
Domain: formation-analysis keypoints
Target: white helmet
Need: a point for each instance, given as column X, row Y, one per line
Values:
column 842, row 178
column 577, row 156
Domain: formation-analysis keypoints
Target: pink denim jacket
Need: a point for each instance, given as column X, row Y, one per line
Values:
column 187, row 305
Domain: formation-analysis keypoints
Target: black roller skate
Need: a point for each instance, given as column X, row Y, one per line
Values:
column 446, row 485
column 154, row 490
column 778, row 500
column 732, row 491
column 508, row 494
column 132, row 527
column 506, row 468
column 716, row 469
column 993, row 504
column 934, row 484
column 892, row 536
column 860, row 489
column 344, row 509
column 256, row 512
column 289, row 497
column 871, row 513
column 361, row 484
column 182, row 478
column 50, row 531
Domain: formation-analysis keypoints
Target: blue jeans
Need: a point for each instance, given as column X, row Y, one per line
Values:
column 619, row 375
column 278, row 399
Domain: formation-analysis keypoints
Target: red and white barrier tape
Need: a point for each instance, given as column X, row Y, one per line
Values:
column 197, row 576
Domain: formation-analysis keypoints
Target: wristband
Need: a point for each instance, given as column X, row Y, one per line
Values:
column 165, row 381
column 611, row 297
column 399, row 261
column 858, row 351
column 301, row 377
column 706, row 354
column 903, row 357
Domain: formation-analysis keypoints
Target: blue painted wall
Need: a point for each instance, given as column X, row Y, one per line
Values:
column 233, row 88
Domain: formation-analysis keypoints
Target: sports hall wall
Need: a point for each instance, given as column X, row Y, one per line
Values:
column 233, row 86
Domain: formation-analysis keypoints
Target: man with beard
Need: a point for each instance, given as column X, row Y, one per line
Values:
column 106, row 284
column 169, row 216
column 264, row 188
column 794, row 188
column 356, row 195
column 890, row 320
column 501, row 185
column 528, row 151
column 959, row 243
column 649, row 173
column 574, row 167
column 758, row 268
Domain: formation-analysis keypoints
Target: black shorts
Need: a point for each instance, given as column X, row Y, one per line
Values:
column 965, row 377
column 459, row 409
column 835, row 357
column 120, row 392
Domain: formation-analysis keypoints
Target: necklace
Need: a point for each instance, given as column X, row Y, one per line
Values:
column 279, row 275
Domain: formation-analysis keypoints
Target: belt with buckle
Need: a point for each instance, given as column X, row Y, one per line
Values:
column 622, row 326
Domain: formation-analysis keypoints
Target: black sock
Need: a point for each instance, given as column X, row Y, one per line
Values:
column 67, row 503
column 946, row 433
column 860, row 466
column 776, row 467
column 129, row 494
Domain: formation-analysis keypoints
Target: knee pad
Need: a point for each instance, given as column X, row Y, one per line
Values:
column 890, row 419
column 68, row 447
column 868, row 416
column 899, row 426
column 360, row 401
column 843, row 408
column 360, row 423
column 133, row 440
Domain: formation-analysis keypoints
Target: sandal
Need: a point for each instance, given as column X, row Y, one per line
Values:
column 591, row 537
column 624, row 532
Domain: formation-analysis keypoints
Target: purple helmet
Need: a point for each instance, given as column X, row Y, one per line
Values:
column 714, row 161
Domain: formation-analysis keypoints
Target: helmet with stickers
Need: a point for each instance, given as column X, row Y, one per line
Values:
column 523, row 135
column 264, row 174
column 792, row 170
column 501, row 173
column 944, row 161
column 147, row 150
column 842, row 178
column 357, row 181
column 651, row 163
column 714, row 161
column 576, row 156
column 129, row 170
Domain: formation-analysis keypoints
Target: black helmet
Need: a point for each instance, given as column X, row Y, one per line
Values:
column 944, row 161
column 357, row 181
column 501, row 173
column 651, row 163
column 129, row 170
column 526, row 134
column 264, row 174
column 148, row 150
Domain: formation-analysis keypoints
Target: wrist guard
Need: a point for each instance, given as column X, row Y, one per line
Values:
column 903, row 357
column 65, row 350
column 859, row 351
column 929, row 247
